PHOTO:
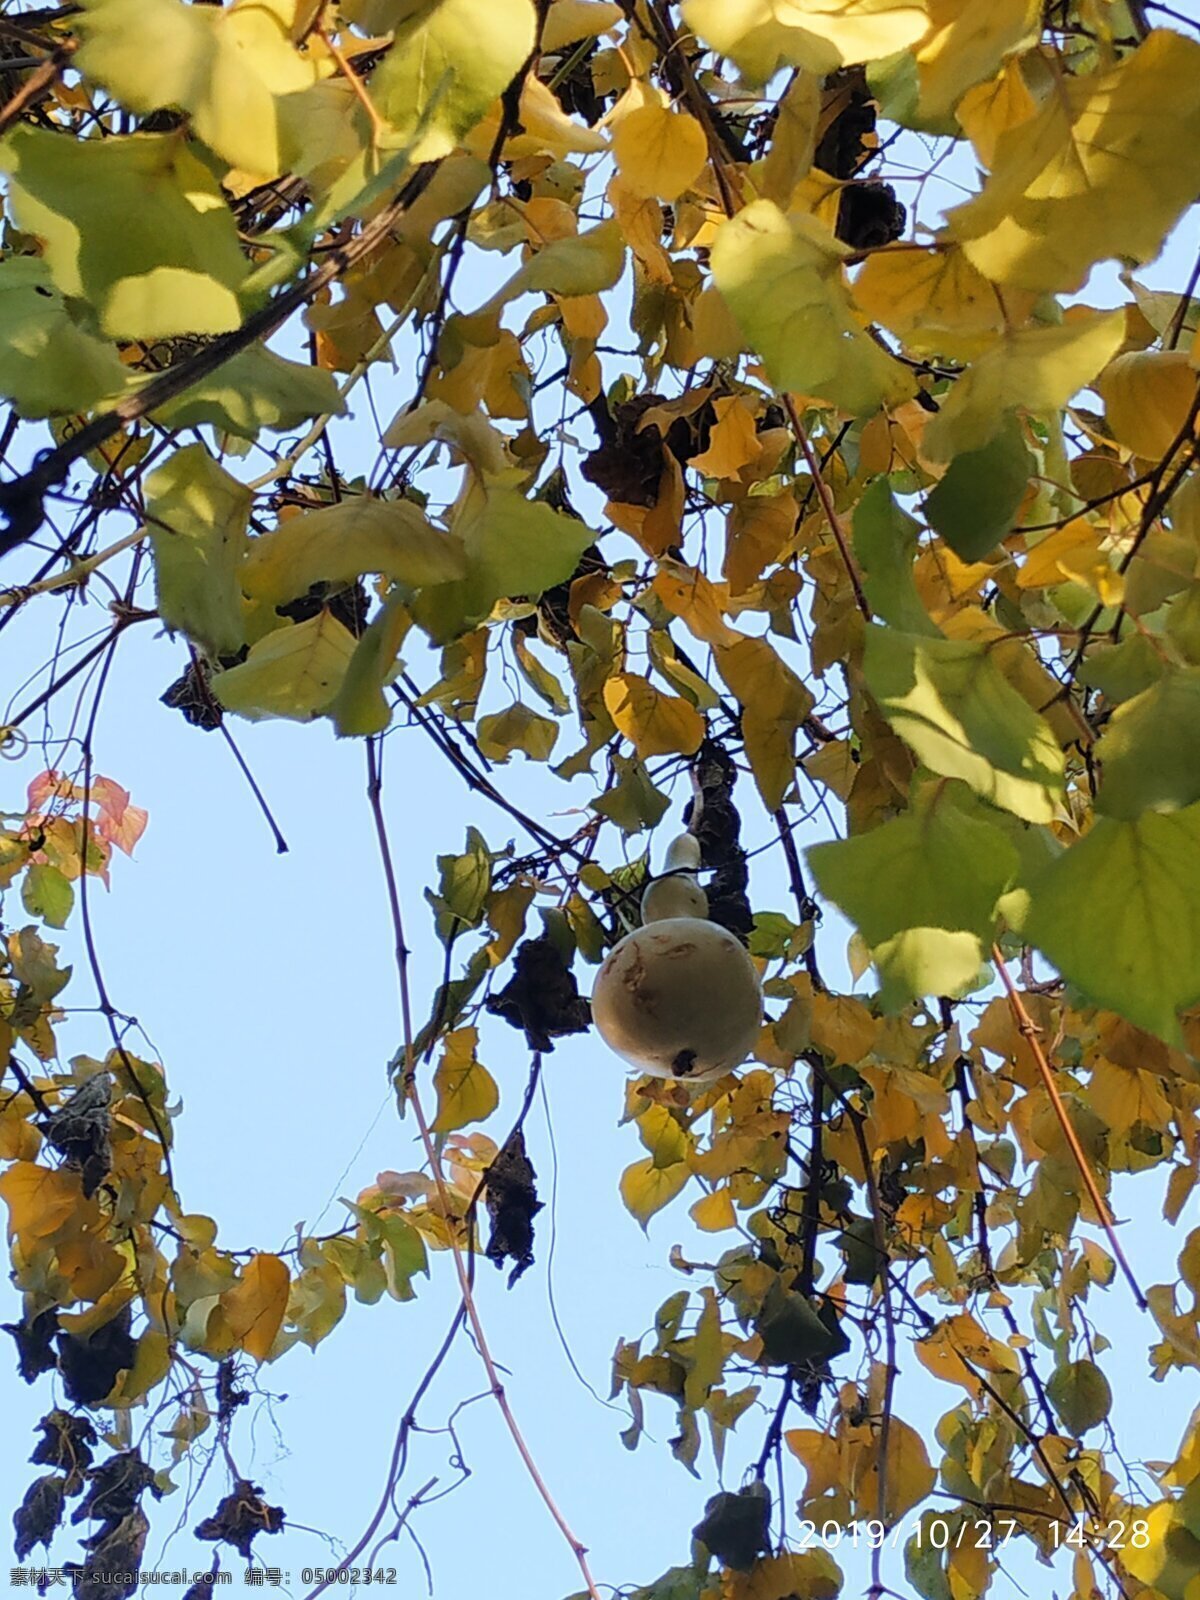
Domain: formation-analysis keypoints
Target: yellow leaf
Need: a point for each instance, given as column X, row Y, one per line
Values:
column 646, row 1188
column 714, row 1212
column 757, row 529
column 1037, row 368
column 570, row 20
column 341, row 542
column 667, row 1140
column 1103, row 170
column 516, row 728
column 1148, row 396
column 733, row 442
column 226, row 67
column 294, row 672
column 763, row 35
column 254, row 1307
column 842, row 1027
column 991, row 109
column 960, row 1344
column 40, row 1201
column 781, row 276
column 774, row 704
column 687, row 593
column 1042, row 566
column 656, row 724
column 466, row 1090
column 906, row 1480
column 968, row 41
column 935, row 301
column 547, row 126
column 659, row 152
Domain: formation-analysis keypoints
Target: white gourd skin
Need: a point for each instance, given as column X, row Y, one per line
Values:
column 679, row 997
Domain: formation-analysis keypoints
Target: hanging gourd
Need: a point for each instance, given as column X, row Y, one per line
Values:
column 679, row 997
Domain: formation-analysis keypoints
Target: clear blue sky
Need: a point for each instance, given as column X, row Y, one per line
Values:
column 265, row 984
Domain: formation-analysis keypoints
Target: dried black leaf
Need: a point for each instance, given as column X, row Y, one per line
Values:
column 115, row 1489
column 869, row 216
column 36, row 1519
column 66, row 1443
column 79, row 1130
column 843, row 146
column 191, row 694
column 91, row 1365
column 229, row 1396
column 510, row 1188
column 541, row 996
column 35, row 1344
column 239, row 1517
column 735, row 1528
column 114, row 1558
column 346, row 603
column 713, row 818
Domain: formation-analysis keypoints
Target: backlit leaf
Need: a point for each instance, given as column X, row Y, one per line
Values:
column 197, row 515
column 466, row 1090
column 225, row 66
column 1102, row 170
column 949, row 702
column 48, row 364
column 1119, row 915
column 294, row 672
column 450, row 60
column 137, row 226
column 781, row 278
column 656, row 724
column 922, row 890
column 341, row 542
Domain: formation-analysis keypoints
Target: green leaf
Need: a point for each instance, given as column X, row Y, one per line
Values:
column 463, row 887
column 1036, row 369
column 137, row 226
column 226, row 67
column 294, row 672
column 922, row 890
column 974, row 504
column 45, row 893
column 256, row 389
column 515, row 548
column 449, row 62
column 1123, row 670
column 1080, row 1394
column 1150, row 751
column 736, row 1528
column 197, row 517
column 791, row 1330
column 1119, row 915
column 949, row 702
column 48, row 364
column 360, row 705
column 885, row 542
column 516, row 728
column 342, row 542
column 633, row 802
column 781, row 278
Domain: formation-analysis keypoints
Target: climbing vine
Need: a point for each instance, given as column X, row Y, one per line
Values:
column 791, row 443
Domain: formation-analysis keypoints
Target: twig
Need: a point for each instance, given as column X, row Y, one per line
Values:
column 375, row 798
column 1029, row 1032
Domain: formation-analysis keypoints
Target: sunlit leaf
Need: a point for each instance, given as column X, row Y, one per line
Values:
column 781, row 278
column 197, row 514
column 136, row 226
column 950, row 703
column 1102, row 170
